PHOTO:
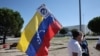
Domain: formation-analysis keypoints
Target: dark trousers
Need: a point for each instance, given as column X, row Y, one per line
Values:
column 84, row 54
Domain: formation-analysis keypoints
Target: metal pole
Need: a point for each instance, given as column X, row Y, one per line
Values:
column 80, row 15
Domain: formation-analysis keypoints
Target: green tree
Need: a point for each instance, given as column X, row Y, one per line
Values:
column 10, row 22
column 74, row 30
column 64, row 31
column 94, row 24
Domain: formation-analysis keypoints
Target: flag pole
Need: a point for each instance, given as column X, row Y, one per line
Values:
column 80, row 16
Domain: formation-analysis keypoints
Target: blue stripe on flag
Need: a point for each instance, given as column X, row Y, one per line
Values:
column 38, row 37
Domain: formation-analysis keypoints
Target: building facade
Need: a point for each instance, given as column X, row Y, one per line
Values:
column 84, row 29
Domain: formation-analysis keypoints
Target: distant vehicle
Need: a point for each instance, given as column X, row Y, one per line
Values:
column 1, row 37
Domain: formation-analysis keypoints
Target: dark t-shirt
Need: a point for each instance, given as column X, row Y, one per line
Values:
column 84, row 46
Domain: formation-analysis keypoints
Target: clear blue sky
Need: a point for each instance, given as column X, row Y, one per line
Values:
column 66, row 11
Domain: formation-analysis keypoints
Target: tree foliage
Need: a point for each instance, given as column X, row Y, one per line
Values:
column 11, row 22
column 63, row 31
column 74, row 30
column 94, row 24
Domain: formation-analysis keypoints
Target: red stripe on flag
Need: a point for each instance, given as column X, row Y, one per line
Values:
column 52, row 30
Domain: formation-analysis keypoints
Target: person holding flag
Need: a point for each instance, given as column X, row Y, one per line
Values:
column 74, row 48
column 35, row 39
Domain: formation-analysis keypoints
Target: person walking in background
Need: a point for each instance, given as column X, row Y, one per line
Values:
column 84, row 46
column 98, row 45
column 74, row 47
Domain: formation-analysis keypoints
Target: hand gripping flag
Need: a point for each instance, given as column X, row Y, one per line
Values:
column 35, row 38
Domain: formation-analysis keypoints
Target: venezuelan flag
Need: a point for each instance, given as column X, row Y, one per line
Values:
column 37, row 34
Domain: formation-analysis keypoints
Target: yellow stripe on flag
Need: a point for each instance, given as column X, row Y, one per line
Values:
column 29, row 32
